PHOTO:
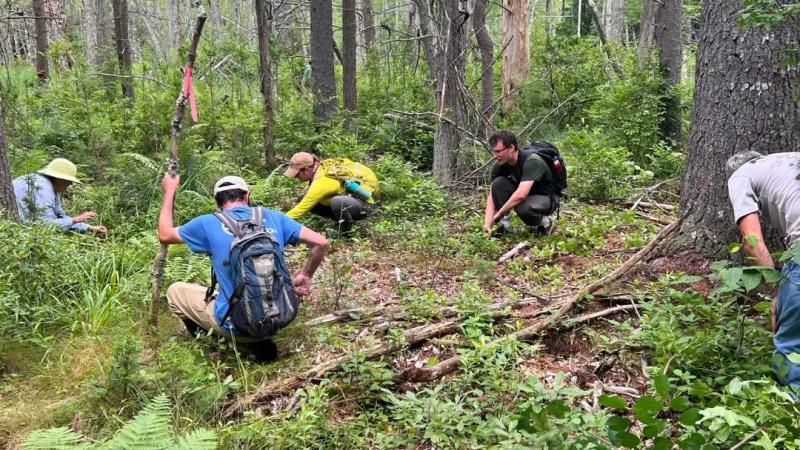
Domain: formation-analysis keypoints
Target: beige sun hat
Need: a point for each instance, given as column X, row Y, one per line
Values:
column 62, row 169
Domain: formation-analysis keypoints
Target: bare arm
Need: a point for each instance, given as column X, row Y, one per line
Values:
column 517, row 197
column 167, row 232
column 753, row 240
column 488, row 218
column 318, row 244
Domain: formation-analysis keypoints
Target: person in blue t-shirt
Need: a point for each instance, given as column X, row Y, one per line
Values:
column 206, row 234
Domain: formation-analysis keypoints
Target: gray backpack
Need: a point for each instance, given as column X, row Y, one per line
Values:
column 263, row 300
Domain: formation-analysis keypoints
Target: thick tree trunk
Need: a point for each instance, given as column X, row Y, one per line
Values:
column 487, row 58
column 123, row 46
column 369, row 23
column 661, row 24
column 264, row 27
column 448, row 137
column 614, row 19
column 40, row 24
column 745, row 99
column 8, row 203
column 349, row 30
column 516, row 59
column 323, row 78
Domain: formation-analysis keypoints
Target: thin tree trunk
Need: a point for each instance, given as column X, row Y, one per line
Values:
column 323, row 78
column 431, row 56
column 264, row 25
column 745, row 99
column 603, row 40
column 369, row 23
column 349, row 91
column 448, row 137
column 661, row 28
column 102, row 31
column 551, row 28
column 516, row 59
column 8, row 202
column 40, row 23
column 123, row 46
column 487, row 58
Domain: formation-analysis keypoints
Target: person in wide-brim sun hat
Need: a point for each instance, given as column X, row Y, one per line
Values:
column 38, row 197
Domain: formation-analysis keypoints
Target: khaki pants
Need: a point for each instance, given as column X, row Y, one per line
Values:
column 188, row 301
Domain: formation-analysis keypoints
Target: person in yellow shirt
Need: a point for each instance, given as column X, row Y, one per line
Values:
column 338, row 188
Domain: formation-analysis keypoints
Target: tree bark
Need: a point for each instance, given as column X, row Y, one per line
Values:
column 661, row 24
column 614, row 19
column 516, row 59
column 486, row 45
column 323, row 78
column 57, row 20
column 449, row 134
column 8, row 203
column 349, row 91
column 102, row 30
column 123, row 46
column 745, row 99
column 603, row 40
column 40, row 24
column 369, row 23
column 264, row 18
column 428, row 41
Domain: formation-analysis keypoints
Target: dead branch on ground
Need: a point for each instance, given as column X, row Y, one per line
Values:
column 451, row 364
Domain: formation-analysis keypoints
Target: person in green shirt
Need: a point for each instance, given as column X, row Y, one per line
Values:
column 521, row 181
column 338, row 188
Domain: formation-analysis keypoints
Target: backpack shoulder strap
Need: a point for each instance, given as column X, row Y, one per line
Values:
column 230, row 222
column 257, row 216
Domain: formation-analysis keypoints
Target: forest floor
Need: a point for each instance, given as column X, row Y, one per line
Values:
column 393, row 276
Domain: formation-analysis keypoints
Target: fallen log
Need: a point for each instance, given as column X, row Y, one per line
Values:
column 451, row 364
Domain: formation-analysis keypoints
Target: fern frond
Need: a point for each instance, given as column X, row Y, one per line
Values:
column 150, row 429
column 146, row 163
column 54, row 439
column 199, row 439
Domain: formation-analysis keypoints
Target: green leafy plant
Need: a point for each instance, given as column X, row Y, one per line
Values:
column 149, row 429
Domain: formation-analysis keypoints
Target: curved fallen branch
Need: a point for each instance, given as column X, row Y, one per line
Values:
column 412, row 336
column 451, row 364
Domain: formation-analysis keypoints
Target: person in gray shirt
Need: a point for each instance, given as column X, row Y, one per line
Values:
column 38, row 197
column 767, row 187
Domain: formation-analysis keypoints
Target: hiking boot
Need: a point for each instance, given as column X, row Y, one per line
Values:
column 263, row 351
column 545, row 227
column 193, row 328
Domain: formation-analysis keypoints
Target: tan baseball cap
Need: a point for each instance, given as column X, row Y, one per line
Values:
column 230, row 182
column 300, row 160
column 62, row 169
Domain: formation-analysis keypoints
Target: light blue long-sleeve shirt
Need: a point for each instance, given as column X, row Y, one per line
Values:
column 37, row 200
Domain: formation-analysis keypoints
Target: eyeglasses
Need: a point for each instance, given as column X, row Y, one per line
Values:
column 500, row 150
